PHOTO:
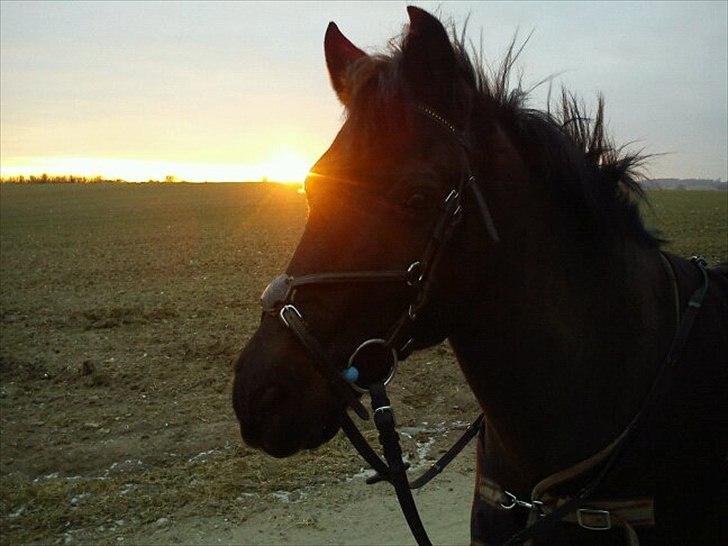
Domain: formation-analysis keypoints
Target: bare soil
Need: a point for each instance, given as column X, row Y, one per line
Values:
column 121, row 308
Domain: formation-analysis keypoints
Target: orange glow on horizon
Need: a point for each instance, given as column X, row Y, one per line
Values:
column 285, row 166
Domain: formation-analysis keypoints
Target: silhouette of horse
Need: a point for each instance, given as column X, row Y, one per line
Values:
column 447, row 209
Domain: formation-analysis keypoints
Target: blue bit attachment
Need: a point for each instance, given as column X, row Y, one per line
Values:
column 350, row 374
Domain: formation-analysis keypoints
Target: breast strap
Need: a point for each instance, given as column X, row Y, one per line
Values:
column 598, row 514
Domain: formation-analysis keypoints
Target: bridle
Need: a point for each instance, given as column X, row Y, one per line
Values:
column 419, row 280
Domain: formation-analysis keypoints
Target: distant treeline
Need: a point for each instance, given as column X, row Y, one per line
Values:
column 684, row 184
column 53, row 179
column 653, row 184
column 71, row 179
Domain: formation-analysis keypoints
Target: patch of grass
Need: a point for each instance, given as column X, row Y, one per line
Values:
column 693, row 222
column 233, row 481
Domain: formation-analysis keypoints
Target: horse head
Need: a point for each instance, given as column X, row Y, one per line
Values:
column 393, row 178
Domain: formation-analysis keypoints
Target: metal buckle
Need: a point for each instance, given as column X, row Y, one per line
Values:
column 512, row 500
column 452, row 195
column 594, row 520
column 414, row 273
column 457, row 214
column 285, row 308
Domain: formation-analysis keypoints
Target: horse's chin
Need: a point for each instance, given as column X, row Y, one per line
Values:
column 281, row 444
column 280, row 451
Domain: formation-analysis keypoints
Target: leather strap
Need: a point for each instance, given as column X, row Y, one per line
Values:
column 484, row 210
column 388, row 437
column 637, row 511
column 380, row 467
column 347, row 277
column 470, row 432
column 364, row 448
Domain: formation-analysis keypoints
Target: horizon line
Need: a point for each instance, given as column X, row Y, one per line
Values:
column 49, row 178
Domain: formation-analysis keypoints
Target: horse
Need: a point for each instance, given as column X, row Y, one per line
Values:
column 446, row 208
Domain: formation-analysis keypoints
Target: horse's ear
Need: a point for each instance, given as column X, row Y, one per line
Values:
column 430, row 63
column 340, row 53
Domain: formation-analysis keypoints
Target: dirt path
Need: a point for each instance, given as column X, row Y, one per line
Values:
column 344, row 513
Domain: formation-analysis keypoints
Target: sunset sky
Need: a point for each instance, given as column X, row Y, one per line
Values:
column 238, row 91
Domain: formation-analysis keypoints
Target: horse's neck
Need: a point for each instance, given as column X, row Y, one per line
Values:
column 560, row 359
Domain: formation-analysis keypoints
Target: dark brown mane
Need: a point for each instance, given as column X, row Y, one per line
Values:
column 567, row 147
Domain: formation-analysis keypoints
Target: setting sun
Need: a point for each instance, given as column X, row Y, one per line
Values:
column 287, row 167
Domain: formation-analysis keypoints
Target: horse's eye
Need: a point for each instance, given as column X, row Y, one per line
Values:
column 418, row 201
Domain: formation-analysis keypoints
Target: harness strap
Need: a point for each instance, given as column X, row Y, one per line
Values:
column 542, row 487
column 596, row 515
column 604, row 515
column 609, row 458
column 667, row 266
column 561, row 510
column 694, row 304
column 599, row 514
column 637, row 512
